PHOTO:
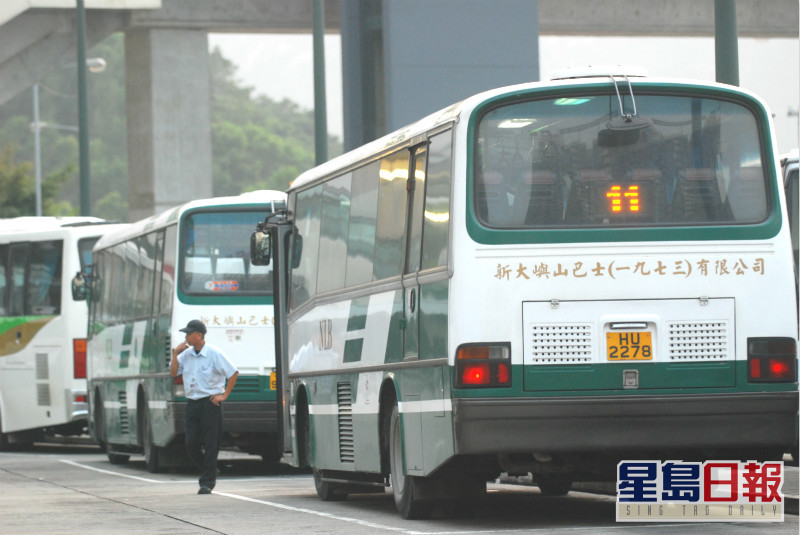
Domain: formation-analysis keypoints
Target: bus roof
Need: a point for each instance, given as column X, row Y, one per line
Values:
column 171, row 215
column 569, row 78
column 42, row 223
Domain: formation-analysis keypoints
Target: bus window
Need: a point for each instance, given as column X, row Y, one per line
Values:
column 44, row 278
column 363, row 220
column 566, row 163
column 392, row 201
column 213, row 263
column 304, row 279
column 85, row 251
column 16, row 280
column 168, row 271
column 3, row 283
column 334, row 233
column 437, row 202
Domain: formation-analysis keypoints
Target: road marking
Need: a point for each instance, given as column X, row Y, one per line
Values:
column 313, row 512
column 109, row 472
column 375, row 525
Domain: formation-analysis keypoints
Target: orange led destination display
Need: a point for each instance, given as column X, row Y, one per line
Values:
column 630, row 196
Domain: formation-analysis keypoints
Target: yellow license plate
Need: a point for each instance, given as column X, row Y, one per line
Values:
column 629, row 345
column 273, row 381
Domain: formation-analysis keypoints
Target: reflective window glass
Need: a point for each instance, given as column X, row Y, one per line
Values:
column 391, row 227
column 363, row 219
column 577, row 162
column 305, row 244
column 334, row 234
column 436, row 222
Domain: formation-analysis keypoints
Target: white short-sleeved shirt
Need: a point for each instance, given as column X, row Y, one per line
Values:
column 204, row 373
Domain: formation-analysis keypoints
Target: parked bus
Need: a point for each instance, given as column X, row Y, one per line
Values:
column 790, row 165
column 42, row 330
column 150, row 279
column 546, row 278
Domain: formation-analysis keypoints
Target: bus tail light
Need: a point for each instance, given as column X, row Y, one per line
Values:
column 771, row 360
column 79, row 358
column 178, row 390
column 481, row 366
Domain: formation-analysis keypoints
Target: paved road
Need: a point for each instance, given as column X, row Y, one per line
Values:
column 76, row 491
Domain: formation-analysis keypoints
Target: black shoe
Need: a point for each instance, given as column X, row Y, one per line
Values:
column 204, row 490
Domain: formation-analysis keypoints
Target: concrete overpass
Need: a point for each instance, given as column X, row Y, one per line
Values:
column 166, row 58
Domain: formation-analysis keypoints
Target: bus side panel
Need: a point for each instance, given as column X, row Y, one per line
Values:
column 24, row 385
column 363, row 334
column 426, row 419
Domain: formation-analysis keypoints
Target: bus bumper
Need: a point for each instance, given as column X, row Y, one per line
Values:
column 634, row 423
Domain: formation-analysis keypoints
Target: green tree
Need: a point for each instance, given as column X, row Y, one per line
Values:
column 257, row 143
column 19, row 189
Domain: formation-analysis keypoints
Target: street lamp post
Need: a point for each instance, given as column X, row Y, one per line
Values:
column 37, row 150
column 83, row 120
column 95, row 65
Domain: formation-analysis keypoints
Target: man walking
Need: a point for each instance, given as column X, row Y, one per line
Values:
column 208, row 378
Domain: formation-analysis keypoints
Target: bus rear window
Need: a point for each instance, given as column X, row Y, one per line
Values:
column 215, row 255
column 576, row 162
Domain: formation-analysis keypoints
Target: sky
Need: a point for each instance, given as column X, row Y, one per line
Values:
column 281, row 66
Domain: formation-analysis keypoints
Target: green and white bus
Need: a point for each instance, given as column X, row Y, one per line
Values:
column 546, row 278
column 150, row 279
column 42, row 329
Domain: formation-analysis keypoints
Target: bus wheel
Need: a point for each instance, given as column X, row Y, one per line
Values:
column 152, row 453
column 552, row 485
column 100, row 431
column 405, row 488
column 5, row 445
column 98, row 415
column 327, row 492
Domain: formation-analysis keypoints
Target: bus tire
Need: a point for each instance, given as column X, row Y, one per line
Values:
column 304, row 440
column 152, row 453
column 117, row 458
column 406, row 489
column 327, row 492
column 100, row 431
column 553, row 485
column 98, row 415
column 5, row 444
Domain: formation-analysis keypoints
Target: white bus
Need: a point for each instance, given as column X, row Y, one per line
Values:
column 546, row 278
column 150, row 279
column 42, row 330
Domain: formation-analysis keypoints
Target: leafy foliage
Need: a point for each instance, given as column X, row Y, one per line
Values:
column 18, row 187
column 257, row 143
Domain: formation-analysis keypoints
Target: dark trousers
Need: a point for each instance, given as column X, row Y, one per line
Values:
column 203, row 435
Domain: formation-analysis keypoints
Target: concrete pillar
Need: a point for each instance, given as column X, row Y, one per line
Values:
column 404, row 60
column 437, row 52
column 169, row 125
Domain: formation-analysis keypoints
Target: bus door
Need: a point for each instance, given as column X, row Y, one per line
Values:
column 269, row 245
column 280, row 230
column 411, row 289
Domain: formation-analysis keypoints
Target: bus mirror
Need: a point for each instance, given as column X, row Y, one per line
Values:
column 260, row 248
column 79, row 287
column 297, row 251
